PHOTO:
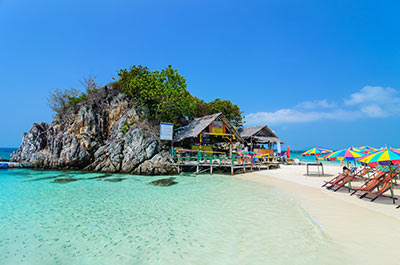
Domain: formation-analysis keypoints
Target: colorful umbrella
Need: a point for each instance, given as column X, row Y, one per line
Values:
column 344, row 154
column 386, row 156
column 288, row 152
column 367, row 149
column 359, row 150
column 315, row 151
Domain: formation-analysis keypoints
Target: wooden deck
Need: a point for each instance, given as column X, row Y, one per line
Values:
column 237, row 168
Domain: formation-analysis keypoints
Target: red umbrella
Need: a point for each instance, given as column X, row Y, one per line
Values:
column 288, row 152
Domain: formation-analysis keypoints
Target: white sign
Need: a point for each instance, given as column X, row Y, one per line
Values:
column 166, row 131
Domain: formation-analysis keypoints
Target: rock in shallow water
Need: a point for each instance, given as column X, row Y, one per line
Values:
column 101, row 176
column 164, row 182
column 64, row 180
column 115, row 179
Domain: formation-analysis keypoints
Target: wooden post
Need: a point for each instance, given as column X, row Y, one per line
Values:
column 243, row 164
column 251, row 157
column 232, row 164
column 211, row 169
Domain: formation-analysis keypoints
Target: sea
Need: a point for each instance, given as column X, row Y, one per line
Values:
column 6, row 152
column 204, row 219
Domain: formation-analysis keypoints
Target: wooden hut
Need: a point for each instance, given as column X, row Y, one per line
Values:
column 213, row 142
column 209, row 133
column 258, row 136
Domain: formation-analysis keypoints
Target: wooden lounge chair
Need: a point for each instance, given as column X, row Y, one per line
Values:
column 386, row 185
column 340, row 184
column 335, row 180
column 370, row 184
column 363, row 172
column 341, row 176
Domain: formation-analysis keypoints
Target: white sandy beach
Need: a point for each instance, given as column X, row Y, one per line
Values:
column 359, row 226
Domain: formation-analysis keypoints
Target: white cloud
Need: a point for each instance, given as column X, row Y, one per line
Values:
column 316, row 104
column 293, row 116
column 374, row 94
column 374, row 111
column 369, row 102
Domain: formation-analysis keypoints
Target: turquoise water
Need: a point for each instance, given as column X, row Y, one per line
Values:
column 201, row 220
column 5, row 152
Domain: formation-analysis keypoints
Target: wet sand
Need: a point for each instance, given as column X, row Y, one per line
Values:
column 368, row 232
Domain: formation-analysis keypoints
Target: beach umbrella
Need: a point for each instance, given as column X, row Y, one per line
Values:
column 288, row 152
column 349, row 154
column 316, row 152
column 367, row 149
column 345, row 154
column 385, row 156
column 358, row 150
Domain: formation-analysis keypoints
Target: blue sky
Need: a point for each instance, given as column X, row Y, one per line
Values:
column 319, row 73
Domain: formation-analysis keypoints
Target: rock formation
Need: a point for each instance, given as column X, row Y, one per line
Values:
column 104, row 134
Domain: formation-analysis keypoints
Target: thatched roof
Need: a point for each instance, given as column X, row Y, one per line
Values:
column 200, row 124
column 261, row 134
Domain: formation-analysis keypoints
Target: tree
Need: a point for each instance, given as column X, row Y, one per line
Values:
column 200, row 107
column 162, row 95
column 60, row 100
column 231, row 111
column 90, row 85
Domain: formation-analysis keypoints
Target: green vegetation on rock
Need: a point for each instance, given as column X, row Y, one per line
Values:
column 161, row 95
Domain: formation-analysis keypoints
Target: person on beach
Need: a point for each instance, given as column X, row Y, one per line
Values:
column 348, row 172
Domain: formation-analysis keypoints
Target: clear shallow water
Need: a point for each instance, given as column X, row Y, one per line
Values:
column 201, row 220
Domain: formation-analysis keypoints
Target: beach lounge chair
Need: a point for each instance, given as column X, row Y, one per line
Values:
column 335, row 180
column 370, row 184
column 363, row 172
column 386, row 184
column 340, row 183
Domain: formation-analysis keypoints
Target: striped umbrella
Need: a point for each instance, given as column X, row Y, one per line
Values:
column 315, row 151
column 358, row 150
column 344, row 154
column 367, row 149
column 386, row 156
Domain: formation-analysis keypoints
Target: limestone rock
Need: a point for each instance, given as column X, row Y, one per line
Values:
column 89, row 136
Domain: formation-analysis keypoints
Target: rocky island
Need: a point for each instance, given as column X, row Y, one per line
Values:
column 93, row 136
column 115, row 128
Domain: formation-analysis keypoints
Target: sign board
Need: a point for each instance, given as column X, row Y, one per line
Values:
column 166, row 131
column 217, row 127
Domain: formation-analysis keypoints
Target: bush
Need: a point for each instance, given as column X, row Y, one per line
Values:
column 60, row 100
column 125, row 127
